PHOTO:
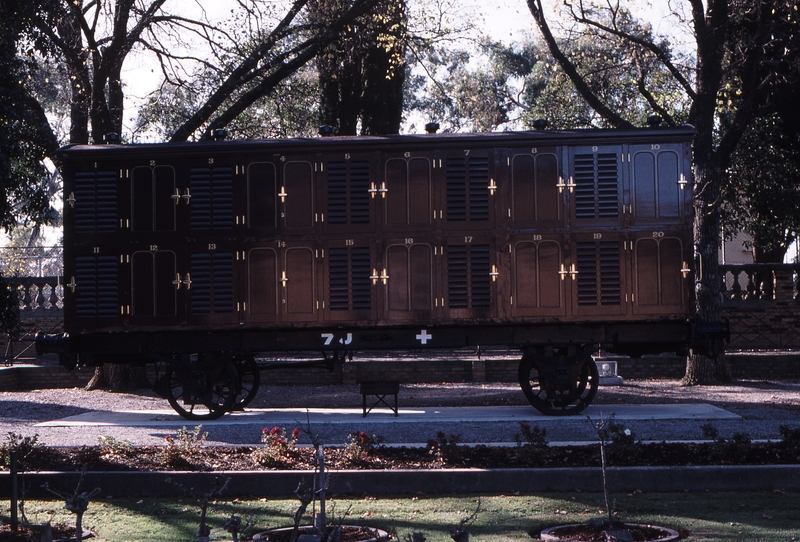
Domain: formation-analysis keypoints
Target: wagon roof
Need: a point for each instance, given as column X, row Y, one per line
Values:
column 392, row 142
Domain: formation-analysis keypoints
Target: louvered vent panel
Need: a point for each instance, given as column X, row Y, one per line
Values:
column 84, row 202
column 200, row 265
column 212, row 283
column 456, row 190
column 95, row 202
column 607, row 186
column 106, row 203
column 211, row 205
column 222, row 282
column 480, row 280
column 200, row 204
column 222, row 198
column 96, row 291
column 457, row 277
column 599, row 279
column 349, row 283
column 478, row 189
column 360, row 273
column 337, row 192
column 359, row 195
column 596, row 185
column 107, row 304
column 584, row 186
column 586, row 265
column 348, row 192
column 610, row 286
column 338, row 279
column 86, row 290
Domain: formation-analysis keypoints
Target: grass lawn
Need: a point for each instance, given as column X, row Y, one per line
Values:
column 757, row 516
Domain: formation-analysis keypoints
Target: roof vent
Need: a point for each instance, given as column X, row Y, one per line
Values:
column 653, row 121
column 432, row 127
column 111, row 138
column 325, row 130
column 219, row 134
column 540, row 124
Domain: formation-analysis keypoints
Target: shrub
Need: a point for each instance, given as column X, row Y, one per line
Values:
column 185, row 444
column 532, row 441
column 622, row 442
column 112, row 447
column 790, row 440
column 445, row 448
column 23, row 446
column 278, row 448
column 725, row 451
column 359, row 446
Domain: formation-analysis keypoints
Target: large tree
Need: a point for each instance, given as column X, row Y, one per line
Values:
column 361, row 74
column 762, row 192
column 26, row 138
column 727, row 86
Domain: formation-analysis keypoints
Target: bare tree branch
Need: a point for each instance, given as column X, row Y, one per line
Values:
column 571, row 70
column 305, row 52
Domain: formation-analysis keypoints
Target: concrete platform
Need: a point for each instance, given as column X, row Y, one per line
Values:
column 350, row 416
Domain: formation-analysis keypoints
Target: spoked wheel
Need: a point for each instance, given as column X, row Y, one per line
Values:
column 559, row 385
column 202, row 389
column 249, row 380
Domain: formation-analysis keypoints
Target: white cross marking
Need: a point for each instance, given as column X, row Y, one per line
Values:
column 423, row 336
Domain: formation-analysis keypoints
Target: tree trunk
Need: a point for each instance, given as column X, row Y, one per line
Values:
column 703, row 369
column 117, row 377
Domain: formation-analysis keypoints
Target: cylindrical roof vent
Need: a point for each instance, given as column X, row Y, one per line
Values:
column 653, row 121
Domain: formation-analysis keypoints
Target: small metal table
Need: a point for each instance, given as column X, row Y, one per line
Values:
column 380, row 390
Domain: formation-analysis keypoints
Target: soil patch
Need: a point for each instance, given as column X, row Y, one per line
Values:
column 209, row 458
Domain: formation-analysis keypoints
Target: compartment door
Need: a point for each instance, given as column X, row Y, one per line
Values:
column 154, row 198
column 262, row 285
column 297, row 195
column 155, row 284
column 262, row 196
column 538, row 287
column 660, row 270
column 298, row 291
column 406, row 193
column 537, row 197
column 408, row 279
column 658, row 184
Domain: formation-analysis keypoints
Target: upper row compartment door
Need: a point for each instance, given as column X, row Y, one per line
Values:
column 595, row 186
column 406, row 193
column 349, row 194
column 262, row 196
column 281, row 194
column 536, row 198
column 154, row 199
column 659, row 181
column 469, row 189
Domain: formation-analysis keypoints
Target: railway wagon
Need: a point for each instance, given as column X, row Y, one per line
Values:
column 201, row 257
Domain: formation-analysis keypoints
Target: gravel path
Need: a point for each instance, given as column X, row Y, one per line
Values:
column 762, row 405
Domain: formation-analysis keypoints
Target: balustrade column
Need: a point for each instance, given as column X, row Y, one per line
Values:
column 784, row 286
